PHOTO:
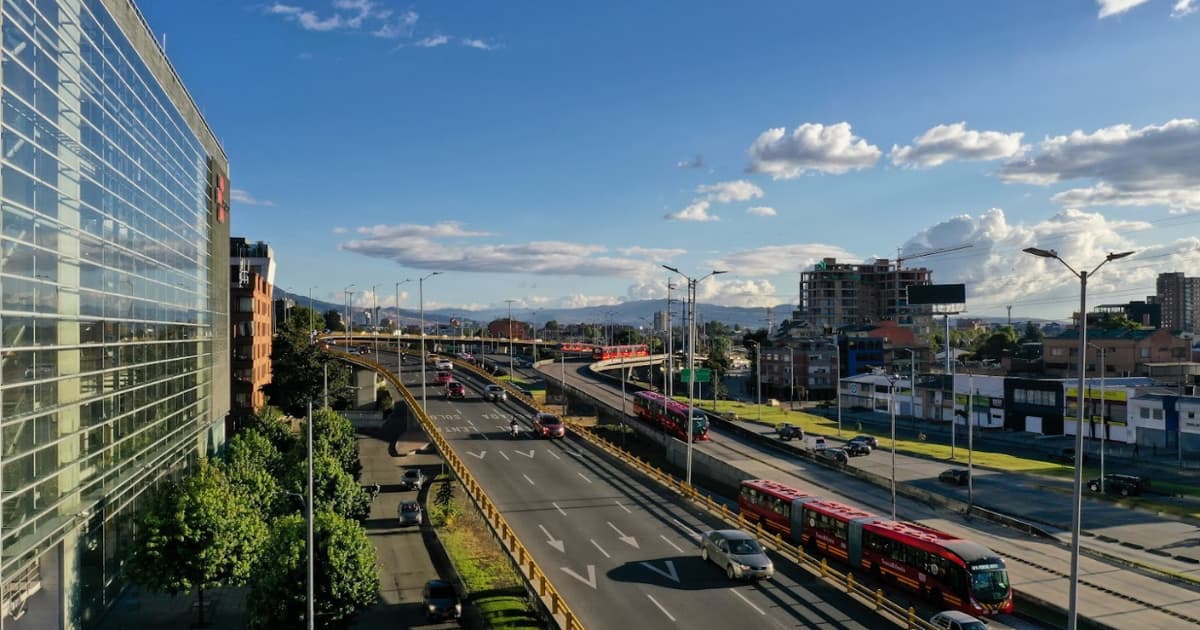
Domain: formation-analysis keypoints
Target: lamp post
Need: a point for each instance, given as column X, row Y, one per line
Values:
column 349, row 323
column 1077, row 497
column 912, row 386
column 375, row 318
column 757, row 375
column 399, row 334
column 312, row 327
column 421, row 301
column 1103, row 417
column 970, row 441
column 669, row 382
column 691, row 357
column 791, row 377
column 837, row 353
column 892, row 379
column 311, row 543
column 510, row 345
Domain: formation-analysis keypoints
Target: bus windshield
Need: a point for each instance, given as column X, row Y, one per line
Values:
column 699, row 421
column 989, row 586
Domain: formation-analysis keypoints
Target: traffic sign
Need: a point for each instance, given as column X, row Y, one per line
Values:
column 703, row 375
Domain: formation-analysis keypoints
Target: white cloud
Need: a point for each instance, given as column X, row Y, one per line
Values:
column 697, row 162
column 770, row 260
column 340, row 230
column 653, row 254
column 471, row 42
column 432, row 41
column 240, row 196
column 583, row 301
column 1182, row 8
column 714, row 290
column 725, row 192
column 761, row 211
column 308, row 20
column 811, row 147
column 1115, row 7
column 943, row 143
column 1152, row 165
column 695, row 211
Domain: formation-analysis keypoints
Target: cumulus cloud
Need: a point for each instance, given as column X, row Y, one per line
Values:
column 697, row 162
column 725, row 192
column 771, row 260
column 1151, row 165
column 583, row 301
column 1182, row 8
column 1110, row 8
column 652, row 254
column 811, row 147
column 761, row 211
column 695, row 211
column 943, row 143
column 448, row 246
column 238, row 195
column 471, row 42
column 715, row 290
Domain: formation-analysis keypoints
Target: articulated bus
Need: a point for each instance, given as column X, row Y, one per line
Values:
column 947, row 570
column 670, row 415
column 602, row 353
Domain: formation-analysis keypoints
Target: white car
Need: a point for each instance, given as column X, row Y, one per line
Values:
column 444, row 364
column 957, row 620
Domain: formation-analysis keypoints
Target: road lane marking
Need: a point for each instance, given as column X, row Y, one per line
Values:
column 660, row 607
column 627, row 510
column 690, row 532
column 502, row 454
column 560, row 510
column 479, row 455
column 553, row 454
column 670, row 573
column 597, row 545
column 584, row 477
column 552, row 541
column 483, row 435
column 748, row 602
column 668, row 541
column 629, row 540
column 591, row 578
column 529, row 455
column 528, row 479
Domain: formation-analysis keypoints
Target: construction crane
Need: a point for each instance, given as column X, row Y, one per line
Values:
column 900, row 258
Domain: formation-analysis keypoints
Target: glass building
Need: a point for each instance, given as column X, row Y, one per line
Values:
column 114, row 285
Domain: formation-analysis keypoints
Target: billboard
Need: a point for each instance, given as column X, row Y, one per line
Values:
column 937, row 294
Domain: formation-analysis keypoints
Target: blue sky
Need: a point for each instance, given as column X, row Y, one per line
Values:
column 557, row 153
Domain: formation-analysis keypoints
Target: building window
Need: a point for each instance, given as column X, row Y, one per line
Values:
column 1145, row 413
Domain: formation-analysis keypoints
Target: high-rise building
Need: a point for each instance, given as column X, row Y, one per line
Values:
column 252, row 284
column 1179, row 297
column 833, row 295
column 114, row 293
column 662, row 320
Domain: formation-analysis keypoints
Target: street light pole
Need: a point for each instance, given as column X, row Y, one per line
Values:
column 399, row 334
column 669, row 384
column 912, row 386
column 892, row 410
column 510, row 344
column 837, row 352
column 970, row 441
column 421, row 300
column 312, row 327
column 791, row 377
column 1077, row 497
column 349, row 323
column 1103, row 417
column 691, row 360
column 311, row 617
column 374, row 318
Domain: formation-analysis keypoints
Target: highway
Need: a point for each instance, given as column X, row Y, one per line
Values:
column 1037, row 567
column 620, row 549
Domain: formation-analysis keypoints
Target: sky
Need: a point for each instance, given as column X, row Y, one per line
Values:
column 557, row 154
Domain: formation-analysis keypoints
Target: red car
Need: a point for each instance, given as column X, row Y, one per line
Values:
column 547, row 425
column 443, row 377
column 454, row 389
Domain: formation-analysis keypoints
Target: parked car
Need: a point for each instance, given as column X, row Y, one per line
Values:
column 412, row 479
column 737, row 552
column 547, row 425
column 957, row 620
column 409, row 513
column 854, row 449
column 869, row 440
column 838, row 455
column 454, row 389
column 443, row 377
column 1124, row 485
column 441, row 601
column 495, row 393
column 956, row 476
column 789, row 431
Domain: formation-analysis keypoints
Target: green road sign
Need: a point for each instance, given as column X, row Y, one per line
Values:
column 703, row 375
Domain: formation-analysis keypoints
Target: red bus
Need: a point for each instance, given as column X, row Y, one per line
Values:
column 602, row 353
column 670, row 415
column 947, row 570
column 585, row 348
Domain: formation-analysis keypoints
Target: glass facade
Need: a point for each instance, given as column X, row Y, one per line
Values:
column 110, row 312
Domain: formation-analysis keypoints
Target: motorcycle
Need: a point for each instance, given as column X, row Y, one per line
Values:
column 515, row 430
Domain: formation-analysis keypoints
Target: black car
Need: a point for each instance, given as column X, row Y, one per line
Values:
column 855, row 448
column 956, row 476
column 441, row 600
column 1124, row 485
column 789, row 431
column 869, row 440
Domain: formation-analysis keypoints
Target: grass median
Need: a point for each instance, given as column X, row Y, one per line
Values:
column 495, row 587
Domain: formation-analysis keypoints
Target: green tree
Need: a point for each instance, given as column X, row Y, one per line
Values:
column 198, row 533
column 345, row 579
column 1116, row 321
column 302, row 318
column 334, row 435
column 1033, row 333
column 994, row 345
column 333, row 320
column 298, row 375
column 336, row 491
column 272, row 424
column 253, row 465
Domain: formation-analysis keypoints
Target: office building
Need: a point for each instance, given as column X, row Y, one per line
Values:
column 114, row 291
column 1179, row 297
column 252, row 284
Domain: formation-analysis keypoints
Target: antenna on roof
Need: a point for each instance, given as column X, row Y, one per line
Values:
column 164, row 43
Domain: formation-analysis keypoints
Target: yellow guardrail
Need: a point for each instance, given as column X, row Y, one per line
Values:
column 819, row 567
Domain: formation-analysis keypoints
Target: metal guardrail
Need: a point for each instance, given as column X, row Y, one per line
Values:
column 819, row 567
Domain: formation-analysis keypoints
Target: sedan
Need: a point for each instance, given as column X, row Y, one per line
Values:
column 956, row 476
column 838, row 455
column 869, row 440
column 548, row 425
column 737, row 552
column 413, row 479
column 495, row 393
column 410, row 513
column 854, row 449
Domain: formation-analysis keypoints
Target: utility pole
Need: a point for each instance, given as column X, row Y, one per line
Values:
column 1010, row 315
column 510, row 343
column 311, row 617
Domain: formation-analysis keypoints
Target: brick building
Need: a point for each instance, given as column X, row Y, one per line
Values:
column 251, row 285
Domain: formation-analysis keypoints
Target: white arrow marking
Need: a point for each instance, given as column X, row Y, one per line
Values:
column 670, row 573
column 591, row 578
column 553, row 542
column 553, row 454
column 560, row 510
column 748, row 602
column 627, row 510
column 529, row 455
column 529, row 480
column 660, row 607
column 480, row 454
column 668, row 541
column 584, row 477
column 597, row 545
column 626, row 539
column 504, row 456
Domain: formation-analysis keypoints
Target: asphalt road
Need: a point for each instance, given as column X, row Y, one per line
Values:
column 619, row 549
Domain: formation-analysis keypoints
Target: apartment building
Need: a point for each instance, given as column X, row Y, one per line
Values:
column 1179, row 297
column 1125, row 352
column 252, row 284
column 833, row 295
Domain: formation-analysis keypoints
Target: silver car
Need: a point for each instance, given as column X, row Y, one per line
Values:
column 413, row 479
column 409, row 513
column 737, row 552
column 495, row 393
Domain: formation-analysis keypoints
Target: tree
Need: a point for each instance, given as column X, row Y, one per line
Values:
column 1033, row 333
column 335, row 490
column 333, row 321
column 334, row 435
column 345, row 579
column 272, row 424
column 995, row 344
column 302, row 318
column 298, row 374
column 1115, row 321
column 253, row 465
column 198, row 533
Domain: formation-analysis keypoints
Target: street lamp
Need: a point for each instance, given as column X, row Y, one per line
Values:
column 691, row 357
column 792, row 378
column 912, row 387
column 892, row 379
column 510, row 344
column 1077, row 497
column 1103, row 417
column 312, row 327
column 311, row 542
column 375, row 318
column 349, row 322
column 399, row 334
column 837, row 353
column 757, row 375
column 421, row 300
